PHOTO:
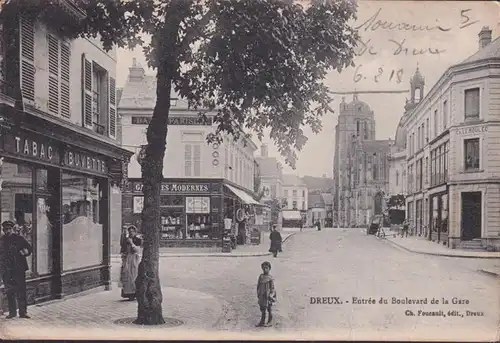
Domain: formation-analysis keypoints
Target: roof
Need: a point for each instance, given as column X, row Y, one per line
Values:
column 292, row 180
column 323, row 183
column 491, row 50
column 268, row 166
column 315, row 201
column 327, row 198
column 376, row 146
column 141, row 94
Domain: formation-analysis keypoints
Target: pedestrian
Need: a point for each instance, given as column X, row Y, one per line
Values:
column 266, row 294
column 318, row 224
column 405, row 229
column 276, row 241
column 130, row 264
column 13, row 266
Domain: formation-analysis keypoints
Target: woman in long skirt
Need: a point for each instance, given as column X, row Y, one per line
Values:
column 130, row 265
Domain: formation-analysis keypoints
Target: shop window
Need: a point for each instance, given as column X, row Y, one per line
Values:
column 82, row 210
column 471, row 103
column 198, row 217
column 294, row 204
column 471, row 152
column 17, row 201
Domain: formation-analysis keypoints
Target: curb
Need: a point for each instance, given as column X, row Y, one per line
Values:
column 490, row 273
column 436, row 254
column 217, row 254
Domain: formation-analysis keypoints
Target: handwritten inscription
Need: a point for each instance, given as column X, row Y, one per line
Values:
column 400, row 48
column 395, row 75
column 374, row 23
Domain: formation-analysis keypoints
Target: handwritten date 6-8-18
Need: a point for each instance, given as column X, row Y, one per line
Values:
column 380, row 75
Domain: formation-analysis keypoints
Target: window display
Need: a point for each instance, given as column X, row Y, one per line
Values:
column 82, row 222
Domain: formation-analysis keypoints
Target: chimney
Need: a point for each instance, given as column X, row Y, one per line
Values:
column 263, row 150
column 484, row 37
column 136, row 72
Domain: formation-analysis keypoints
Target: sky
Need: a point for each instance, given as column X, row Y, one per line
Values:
column 438, row 35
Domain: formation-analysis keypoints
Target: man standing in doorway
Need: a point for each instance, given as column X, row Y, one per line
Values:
column 13, row 266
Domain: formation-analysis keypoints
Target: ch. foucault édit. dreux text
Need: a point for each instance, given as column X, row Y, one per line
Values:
column 386, row 301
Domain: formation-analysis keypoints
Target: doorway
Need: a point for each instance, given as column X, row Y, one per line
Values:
column 471, row 215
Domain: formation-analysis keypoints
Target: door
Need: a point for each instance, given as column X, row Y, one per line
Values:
column 471, row 215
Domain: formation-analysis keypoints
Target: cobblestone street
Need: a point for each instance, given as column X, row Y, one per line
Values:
column 218, row 294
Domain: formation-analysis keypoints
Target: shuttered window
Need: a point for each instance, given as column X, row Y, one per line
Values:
column 87, row 92
column 27, row 59
column 197, row 160
column 112, row 107
column 53, row 44
column 187, row 160
column 65, row 83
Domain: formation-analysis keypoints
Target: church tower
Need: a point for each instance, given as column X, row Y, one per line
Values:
column 417, row 83
column 356, row 122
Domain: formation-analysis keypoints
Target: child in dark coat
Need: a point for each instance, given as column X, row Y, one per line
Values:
column 266, row 294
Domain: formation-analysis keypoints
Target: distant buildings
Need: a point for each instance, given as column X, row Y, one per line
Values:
column 361, row 169
column 294, row 198
column 449, row 140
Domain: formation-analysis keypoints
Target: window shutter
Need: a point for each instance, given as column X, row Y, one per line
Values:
column 86, row 92
column 112, row 107
column 53, row 44
column 197, row 160
column 187, row 160
column 27, row 59
column 65, row 95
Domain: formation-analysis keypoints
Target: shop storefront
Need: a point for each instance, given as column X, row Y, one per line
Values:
column 55, row 184
column 195, row 212
column 439, row 216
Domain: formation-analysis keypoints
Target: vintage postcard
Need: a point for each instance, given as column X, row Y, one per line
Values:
column 250, row 169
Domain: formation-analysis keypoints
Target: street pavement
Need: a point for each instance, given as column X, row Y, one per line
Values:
column 332, row 263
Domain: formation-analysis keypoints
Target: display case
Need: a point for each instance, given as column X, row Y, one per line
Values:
column 172, row 224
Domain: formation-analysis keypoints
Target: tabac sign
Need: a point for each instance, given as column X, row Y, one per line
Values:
column 32, row 147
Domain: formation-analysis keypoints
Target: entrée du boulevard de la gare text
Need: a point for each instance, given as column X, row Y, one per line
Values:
column 387, row 301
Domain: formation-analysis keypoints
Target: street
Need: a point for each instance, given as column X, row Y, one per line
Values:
column 346, row 263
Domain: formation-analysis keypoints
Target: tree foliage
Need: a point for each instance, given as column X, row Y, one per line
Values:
column 259, row 63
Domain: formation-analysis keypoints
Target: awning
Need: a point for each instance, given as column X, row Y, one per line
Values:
column 291, row 215
column 245, row 197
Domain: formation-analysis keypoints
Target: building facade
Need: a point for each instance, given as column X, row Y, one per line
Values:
column 61, row 163
column 294, row 198
column 361, row 169
column 452, row 133
column 203, row 185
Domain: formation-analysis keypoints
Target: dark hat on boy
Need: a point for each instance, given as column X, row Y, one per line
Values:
column 8, row 224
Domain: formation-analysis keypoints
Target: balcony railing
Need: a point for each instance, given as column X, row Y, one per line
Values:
column 100, row 129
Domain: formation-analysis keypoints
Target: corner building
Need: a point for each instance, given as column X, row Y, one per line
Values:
column 453, row 158
column 61, row 162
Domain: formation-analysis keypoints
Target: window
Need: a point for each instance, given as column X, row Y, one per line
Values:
column 303, row 193
column 427, row 133
column 397, row 178
column 59, row 57
column 226, row 168
column 99, row 105
column 471, row 152
column 418, row 138
column 303, row 205
column 365, row 130
column 357, row 128
column 294, row 204
column 286, row 193
column 471, row 103
column 83, row 213
column 445, row 114
column 436, row 123
column 192, row 159
column 294, row 192
column 426, row 171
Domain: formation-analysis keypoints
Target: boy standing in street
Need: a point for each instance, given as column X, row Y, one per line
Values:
column 266, row 294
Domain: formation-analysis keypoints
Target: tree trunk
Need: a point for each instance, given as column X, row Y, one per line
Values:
column 148, row 288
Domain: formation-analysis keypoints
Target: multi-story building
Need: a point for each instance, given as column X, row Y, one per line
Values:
column 452, row 133
column 62, row 165
column 361, row 171
column 294, row 198
column 203, row 184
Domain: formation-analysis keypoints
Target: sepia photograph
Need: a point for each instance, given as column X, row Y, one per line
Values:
column 250, row 169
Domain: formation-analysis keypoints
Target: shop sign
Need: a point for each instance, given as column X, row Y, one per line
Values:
column 178, row 187
column 143, row 120
column 79, row 160
column 471, row 130
column 39, row 149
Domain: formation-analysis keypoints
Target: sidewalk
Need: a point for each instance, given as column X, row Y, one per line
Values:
column 93, row 316
column 241, row 250
column 423, row 246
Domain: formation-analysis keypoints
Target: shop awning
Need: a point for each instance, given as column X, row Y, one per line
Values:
column 245, row 197
column 291, row 215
